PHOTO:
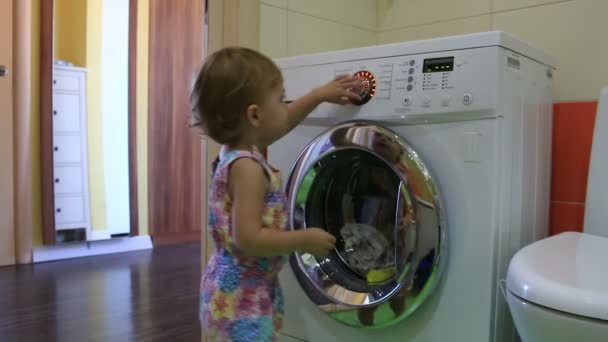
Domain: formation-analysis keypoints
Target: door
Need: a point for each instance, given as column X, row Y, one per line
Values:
column 174, row 150
column 367, row 187
column 7, row 232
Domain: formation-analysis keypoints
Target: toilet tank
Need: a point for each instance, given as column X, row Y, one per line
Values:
column 596, row 206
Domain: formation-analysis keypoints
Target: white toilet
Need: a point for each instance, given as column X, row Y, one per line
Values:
column 557, row 288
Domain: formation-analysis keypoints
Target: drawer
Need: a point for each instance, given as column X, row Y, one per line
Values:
column 65, row 82
column 66, row 113
column 67, row 149
column 69, row 210
column 68, row 180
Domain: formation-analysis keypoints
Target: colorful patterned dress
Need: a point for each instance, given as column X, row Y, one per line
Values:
column 240, row 298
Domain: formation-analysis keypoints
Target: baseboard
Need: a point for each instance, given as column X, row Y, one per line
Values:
column 91, row 248
column 100, row 235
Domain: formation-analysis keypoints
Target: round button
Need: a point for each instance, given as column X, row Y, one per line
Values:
column 411, row 71
column 407, row 100
column 445, row 100
column 467, row 99
column 412, row 62
column 410, row 79
column 426, row 100
column 368, row 82
column 410, row 87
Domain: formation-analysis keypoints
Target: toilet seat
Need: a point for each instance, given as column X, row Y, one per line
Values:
column 566, row 272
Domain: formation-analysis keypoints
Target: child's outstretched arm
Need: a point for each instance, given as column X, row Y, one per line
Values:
column 337, row 91
column 247, row 186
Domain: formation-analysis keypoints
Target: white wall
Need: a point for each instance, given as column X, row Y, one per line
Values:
column 295, row 27
column 574, row 31
column 114, row 102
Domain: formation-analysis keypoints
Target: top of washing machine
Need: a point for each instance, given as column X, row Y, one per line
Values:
column 460, row 42
column 445, row 79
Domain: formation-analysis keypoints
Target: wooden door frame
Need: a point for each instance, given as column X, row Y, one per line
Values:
column 46, row 122
column 133, row 199
column 169, row 220
column 23, row 196
column 7, row 181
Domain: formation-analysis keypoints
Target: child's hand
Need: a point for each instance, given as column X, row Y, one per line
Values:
column 342, row 90
column 317, row 242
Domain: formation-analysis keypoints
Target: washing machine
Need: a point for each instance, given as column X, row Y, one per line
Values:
column 429, row 185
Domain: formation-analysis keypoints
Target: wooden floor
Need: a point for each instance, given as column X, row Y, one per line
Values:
column 138, row 296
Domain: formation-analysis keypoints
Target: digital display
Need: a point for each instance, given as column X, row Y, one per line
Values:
column 442, row 64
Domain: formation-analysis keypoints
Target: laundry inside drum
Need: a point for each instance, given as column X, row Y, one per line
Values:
column 353, row 194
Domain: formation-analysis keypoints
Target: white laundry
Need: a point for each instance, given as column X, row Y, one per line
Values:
column 366, row 248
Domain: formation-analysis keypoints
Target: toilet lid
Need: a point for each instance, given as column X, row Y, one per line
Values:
column 566, row 272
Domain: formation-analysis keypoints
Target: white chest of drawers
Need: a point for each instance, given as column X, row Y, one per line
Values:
column 71, row 181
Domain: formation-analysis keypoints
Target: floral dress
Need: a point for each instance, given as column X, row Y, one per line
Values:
column 240, row 296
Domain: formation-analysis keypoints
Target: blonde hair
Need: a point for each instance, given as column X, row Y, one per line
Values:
column 229, row 81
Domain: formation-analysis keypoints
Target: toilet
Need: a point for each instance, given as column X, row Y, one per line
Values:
column 557, row 288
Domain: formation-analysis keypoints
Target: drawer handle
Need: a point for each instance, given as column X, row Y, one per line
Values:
column 56, row 148
column 54, row 81
column 54, row 112
column 58, row 210
column 56, row 180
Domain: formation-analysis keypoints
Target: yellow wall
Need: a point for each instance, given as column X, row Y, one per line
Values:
column 77, row 39
column 573, row 31
column 70, row 25
column 94, row 112
column 94, row 115
column 298, row 27
column 142, row 113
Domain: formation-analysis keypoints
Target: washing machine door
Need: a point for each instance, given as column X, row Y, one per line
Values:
column 365, row 185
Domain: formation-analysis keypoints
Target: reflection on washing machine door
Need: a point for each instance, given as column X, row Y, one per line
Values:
column 367, row 187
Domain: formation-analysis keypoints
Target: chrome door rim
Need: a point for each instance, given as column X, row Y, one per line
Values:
column 402, row 294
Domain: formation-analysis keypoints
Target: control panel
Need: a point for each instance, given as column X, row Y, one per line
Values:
column 422, row 84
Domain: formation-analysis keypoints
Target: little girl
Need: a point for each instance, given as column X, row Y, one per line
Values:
column 238, row 100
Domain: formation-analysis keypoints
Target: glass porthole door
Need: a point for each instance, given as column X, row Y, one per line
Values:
column 365, row 185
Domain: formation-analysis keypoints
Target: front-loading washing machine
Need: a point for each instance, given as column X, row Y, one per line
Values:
column 429, row 185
